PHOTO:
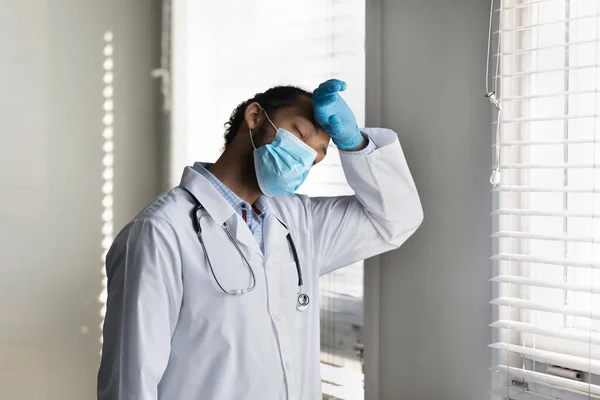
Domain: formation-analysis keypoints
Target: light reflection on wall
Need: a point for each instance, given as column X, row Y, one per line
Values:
column 107, row 162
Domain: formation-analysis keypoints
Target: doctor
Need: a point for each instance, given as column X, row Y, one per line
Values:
column 213, row 289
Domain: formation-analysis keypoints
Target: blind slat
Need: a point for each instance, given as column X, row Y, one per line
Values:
column 523, row 5
column 550, row 357
column 540, row 236
column 544, row 96
column 546, row 142
column 550, row 166
column 550, row 118
column 519, row 280
column 538, row 377
column 524, row 212
column 525, row 258
column 535, row 306
column 533, row 189
column 529, row 27
column 516, row 393
column 549, row 47
column 545, row 71
column 565, row 333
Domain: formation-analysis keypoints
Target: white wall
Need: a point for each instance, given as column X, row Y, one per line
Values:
column 434, row 292
column 51, row 177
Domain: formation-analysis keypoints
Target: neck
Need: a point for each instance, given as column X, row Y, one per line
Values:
column 235, row 170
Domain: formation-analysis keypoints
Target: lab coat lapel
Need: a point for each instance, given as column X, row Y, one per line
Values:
column 274, row 235
column 241, row 232
column 218, row 208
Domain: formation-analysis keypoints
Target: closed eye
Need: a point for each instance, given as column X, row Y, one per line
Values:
column 302, row 135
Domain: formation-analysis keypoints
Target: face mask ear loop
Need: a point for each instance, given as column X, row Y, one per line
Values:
column 269, row 119
column 251, row 139
column 271, row 122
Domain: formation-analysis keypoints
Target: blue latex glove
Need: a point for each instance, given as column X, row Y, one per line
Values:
column 334, row 115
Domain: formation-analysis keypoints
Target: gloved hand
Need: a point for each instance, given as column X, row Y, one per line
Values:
column 334, row 115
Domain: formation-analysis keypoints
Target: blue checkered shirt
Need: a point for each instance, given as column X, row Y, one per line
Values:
column 253, row 219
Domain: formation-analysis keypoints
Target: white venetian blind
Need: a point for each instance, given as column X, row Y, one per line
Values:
column 547, row 241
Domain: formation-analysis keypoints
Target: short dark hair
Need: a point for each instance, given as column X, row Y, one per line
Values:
column 272, row 100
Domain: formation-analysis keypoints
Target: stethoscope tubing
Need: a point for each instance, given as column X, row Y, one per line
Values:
column 303, row 299
column 198, row 229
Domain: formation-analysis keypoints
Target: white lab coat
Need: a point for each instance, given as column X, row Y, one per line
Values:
column 170, row 333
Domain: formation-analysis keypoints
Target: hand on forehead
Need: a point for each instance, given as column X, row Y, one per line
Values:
column 299, row 120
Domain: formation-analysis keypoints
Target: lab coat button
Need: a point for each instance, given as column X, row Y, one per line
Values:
column 287, row 366
column 276, row 316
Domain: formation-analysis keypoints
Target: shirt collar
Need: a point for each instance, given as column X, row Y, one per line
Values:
column 261, row 205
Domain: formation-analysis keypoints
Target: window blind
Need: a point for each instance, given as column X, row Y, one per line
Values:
column 223, row 53
column 547, row 230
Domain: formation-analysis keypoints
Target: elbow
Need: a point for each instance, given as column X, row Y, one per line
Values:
column 406, row 227
column 417, row 215
column 412, row 217
column 418, row 218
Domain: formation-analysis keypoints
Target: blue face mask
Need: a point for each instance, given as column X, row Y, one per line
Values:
column 282, row 166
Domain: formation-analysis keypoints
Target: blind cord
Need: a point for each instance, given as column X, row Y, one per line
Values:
column 491, row 95
column 489, row 44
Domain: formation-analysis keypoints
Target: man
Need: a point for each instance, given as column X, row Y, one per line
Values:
column 213, row 288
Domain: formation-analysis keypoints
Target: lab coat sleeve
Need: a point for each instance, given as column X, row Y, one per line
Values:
column 383, row 213
column 144, row 299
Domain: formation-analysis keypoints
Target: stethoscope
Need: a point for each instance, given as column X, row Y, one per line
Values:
column 303, row 300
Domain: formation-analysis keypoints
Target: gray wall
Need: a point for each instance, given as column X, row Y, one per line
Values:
column 51, row 177
column 434, row 291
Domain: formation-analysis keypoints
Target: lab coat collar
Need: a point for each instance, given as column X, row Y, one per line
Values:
column 221, row 211
column 206, row 194
column 233, row 199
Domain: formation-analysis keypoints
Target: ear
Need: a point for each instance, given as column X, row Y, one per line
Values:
column 253, row 115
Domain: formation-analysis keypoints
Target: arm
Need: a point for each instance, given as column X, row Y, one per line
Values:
column 144, row 298
column 385, row 209
column 383, row 213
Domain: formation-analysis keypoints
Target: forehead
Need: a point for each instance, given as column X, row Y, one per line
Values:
column 303, row 109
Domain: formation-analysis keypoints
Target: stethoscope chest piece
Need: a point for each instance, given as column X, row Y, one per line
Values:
column 303, row 302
